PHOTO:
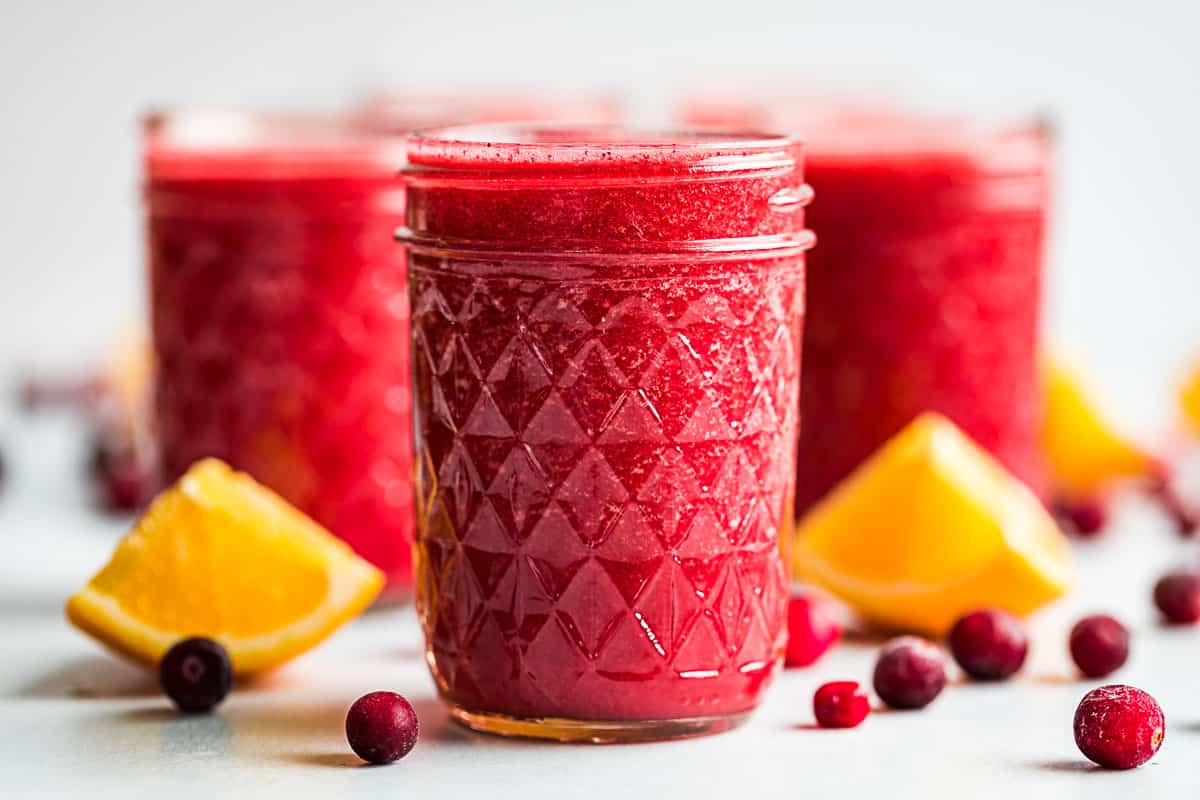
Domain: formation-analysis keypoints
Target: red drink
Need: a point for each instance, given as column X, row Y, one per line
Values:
column 280, row 316
column 606, row 339
column 924, row 290
column 925, row 295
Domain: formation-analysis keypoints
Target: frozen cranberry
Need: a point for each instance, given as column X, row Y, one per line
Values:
column 840, row 704
column 989, row 645
column 1119, row 727
column 381, row 727
column 196, row 674
column 910, row 673
column 1084, row 518
column 1177, row 596
column 812, row 629
column 1099, row 645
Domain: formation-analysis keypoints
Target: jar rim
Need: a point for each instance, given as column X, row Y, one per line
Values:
column 513, row 148
column 199, row 142
column 402, row 110
column 848, row 128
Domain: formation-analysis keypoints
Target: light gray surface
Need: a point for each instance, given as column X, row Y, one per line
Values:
column 76, row 722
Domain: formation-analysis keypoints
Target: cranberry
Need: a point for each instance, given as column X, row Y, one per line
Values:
column 381, row 727
column 99, row 456
column 196, row 674
column 812, row 629
column 39, row 392
column 127, row 479
column 989, row 645
column 1177, row 596
column 1099, row 645
column 1084, row 518
column 1119, row 727
column 840, row 704
column 910, row 673
column 1180, row 511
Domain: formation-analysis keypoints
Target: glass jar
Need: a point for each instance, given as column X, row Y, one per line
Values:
column 925, row 291
column 606, row 334
column 280, row 315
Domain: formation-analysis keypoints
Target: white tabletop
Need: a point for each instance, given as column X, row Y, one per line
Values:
column 76, row 722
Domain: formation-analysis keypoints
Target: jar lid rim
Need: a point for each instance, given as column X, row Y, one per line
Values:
column 522, row 146
column 217, row 142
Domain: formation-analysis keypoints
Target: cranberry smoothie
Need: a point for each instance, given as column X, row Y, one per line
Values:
column 280, row 316
column 924, row 292
column 606, row 333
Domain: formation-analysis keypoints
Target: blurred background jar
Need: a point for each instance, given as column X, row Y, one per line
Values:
column 279, row 316
column 924, row 290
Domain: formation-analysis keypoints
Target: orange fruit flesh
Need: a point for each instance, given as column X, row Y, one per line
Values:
column 221, row 556
column 929, row 527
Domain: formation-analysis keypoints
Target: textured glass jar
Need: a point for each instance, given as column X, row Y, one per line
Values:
column 606, row 334
column 280, row 315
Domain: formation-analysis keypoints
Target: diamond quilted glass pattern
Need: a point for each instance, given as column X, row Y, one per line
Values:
column 607, row 465
column 283, row 348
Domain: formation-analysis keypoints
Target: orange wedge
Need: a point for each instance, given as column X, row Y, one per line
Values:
column 929, row 527
column 1087, row 453
column 1189, row 399
column 220, row 555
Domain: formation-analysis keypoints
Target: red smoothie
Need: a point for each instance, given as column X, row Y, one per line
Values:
column 924, row 289
column 606, row 334
column 280, row 316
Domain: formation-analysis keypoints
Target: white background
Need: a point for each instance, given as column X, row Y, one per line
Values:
column 1122, row 77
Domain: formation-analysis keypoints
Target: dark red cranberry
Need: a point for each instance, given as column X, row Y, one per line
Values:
column 1181, row 512
column 910, row 673
column 99, row 456
column 1177, row 596
column 813, row 628
column 381, row 727
column 1119, row 727
column 127, row 481
column 196, row 674
column 38, row 393
column 1084, row 518
column 1099, row 645
column 989, row 645
column 840, row 704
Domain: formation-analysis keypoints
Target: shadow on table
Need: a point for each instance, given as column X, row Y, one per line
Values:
column 256, row 724
column 109, row 678
column 1079, row 766
column 95, row 676
column 437, row 728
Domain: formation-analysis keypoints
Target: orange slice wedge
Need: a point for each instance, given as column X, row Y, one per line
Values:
column 928, row 528
column 1086, row 452
column 220, row 555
